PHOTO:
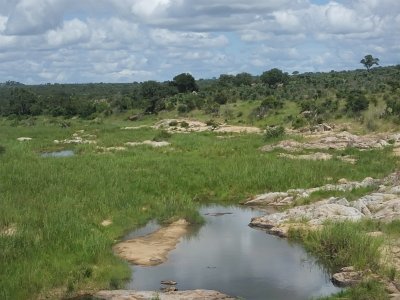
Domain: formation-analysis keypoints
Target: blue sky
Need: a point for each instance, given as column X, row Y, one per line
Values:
column 136, row 40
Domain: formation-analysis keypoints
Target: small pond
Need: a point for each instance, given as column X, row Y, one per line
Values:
column 228, row 256
column 62, row 153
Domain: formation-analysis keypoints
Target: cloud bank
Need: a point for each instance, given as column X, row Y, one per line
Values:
column 136, row 40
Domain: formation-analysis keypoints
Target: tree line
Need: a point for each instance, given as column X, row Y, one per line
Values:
column 318, row 93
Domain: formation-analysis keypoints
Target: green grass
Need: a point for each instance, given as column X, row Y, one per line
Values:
column 57, row 204
column 342, row 244
column 368, row 290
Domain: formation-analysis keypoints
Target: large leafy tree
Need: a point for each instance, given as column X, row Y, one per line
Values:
column 368, row 61
column 274, row 77
column 185, row 82
column 243, row 79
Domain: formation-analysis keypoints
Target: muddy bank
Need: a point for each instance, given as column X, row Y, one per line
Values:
column 152, row 249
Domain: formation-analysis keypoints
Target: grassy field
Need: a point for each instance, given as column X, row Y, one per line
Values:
column 57, row 204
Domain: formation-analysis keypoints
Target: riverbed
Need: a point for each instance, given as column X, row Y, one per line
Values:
column 225, row 254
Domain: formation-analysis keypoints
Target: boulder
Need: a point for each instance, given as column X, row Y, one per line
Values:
column 347, row 277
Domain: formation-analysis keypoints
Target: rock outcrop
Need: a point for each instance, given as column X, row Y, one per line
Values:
column 78, row 138
column 186, row 125
column 336, row 141
column 149, row 143
column 152, row 249
column 289, row 197
column 383, row 205
column 174, row 295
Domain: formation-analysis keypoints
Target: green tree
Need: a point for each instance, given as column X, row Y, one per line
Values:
column 274, row 77
column 243, row 79
column 368, row 61
column 22, row 102
column 185, row 82
column 356, row 102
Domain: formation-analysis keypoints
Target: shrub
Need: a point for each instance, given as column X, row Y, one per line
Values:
column 274, row 132
column 2, row 149
column 162, row 135
column 356, row 102
column 214, row 124
column 173, row 123
column 184, row 124
column 183, row 108
column 299, row 122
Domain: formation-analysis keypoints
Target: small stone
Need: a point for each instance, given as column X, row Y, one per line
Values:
column 106, row 223
column 391, row 288
column 169, row 289
column 342, row 181
column 24, row 139
column 375, row 233
column 168, row 282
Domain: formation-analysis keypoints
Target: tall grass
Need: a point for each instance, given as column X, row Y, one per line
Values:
column 368, row 290
column 58, row 204
column 342, row 244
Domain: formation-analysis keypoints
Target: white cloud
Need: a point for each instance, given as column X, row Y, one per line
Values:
column 166, row 37
column 34, row 16
column 72, row 32
column 132, row 40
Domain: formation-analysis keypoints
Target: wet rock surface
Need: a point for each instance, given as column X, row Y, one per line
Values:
column 173, row 295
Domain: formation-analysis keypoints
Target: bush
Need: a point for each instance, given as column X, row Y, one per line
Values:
column 214, row 124
column 274, row 132
column 299, row 122
column 162, row 135
column 183, row 108
column 184, row 124
column 173, row 123
column 356, row 102
column 2, row 149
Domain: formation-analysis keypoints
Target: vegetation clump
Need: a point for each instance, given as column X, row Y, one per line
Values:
column 162, row 136
column 342, row 244
column 273, row 132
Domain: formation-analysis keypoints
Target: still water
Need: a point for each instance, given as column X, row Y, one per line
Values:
column 228, row 256
column 63, row 153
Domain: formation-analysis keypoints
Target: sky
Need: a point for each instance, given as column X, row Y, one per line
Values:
column 78, row 41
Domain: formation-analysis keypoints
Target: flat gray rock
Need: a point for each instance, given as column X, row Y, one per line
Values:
column 148, row 295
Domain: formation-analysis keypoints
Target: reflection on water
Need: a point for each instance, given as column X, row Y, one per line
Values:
column 227, row 255
column 63, row 153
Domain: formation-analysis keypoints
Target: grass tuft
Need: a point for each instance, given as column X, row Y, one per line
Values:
column 342, row 244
